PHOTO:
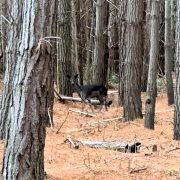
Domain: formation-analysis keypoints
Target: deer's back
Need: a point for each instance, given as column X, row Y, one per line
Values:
column 94, row 90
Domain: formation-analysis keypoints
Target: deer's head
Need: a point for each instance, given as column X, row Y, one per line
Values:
column 72, row 79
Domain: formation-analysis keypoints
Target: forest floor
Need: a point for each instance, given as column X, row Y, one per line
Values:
column 63, row 162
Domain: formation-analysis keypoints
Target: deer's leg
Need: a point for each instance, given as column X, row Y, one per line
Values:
column 89, row 101
column 102, row 101
column 105, row 103
column 83, row 105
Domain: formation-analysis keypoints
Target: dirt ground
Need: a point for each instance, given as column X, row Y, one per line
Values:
column 63, row 162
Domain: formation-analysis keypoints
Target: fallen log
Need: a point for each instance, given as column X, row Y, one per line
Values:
column 123, row 147
column 93, row 101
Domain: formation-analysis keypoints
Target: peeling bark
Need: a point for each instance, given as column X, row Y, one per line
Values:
column 28, row 89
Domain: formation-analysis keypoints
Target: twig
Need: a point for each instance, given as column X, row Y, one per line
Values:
column 69, row 139
column 176, row 148
column 5, row 19
column 91, row 115
column 138, row 169
column 113, row 5
column 113, row 92
column 106, row 120
column 62, row 123
column 50, row 118
column 58, row 95
column 78, row 130
column 52, row 37
column 162, row 111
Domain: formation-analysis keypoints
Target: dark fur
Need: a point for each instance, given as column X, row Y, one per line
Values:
column 90, row 91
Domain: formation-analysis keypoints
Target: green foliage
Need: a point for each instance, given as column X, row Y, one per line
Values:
column 170, row 172
column 161, row 84
column 113, row 80
column 87, row 71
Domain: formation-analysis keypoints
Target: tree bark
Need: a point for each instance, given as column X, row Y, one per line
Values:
column 146, row 44
column 4, row 23
column 113, row 39
column 173, row 25
column 101, row 54
column 1, row 39
column 64, row 65
column 122, row 49
column 28, row 88
column 133, row 61
column 76, row 39
column 154, row 51
column 90, row 23
column 177, row 74
column 168, row 53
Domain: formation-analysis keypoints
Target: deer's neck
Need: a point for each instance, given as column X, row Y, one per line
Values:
column 77, row 88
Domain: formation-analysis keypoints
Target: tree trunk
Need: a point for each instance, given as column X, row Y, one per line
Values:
column 154, row 51
column 161, row 59
column 1, row 39
column 89, row 41
column 113, row 39
column 76, row 38
column 122, row 31
column 81, row 23
column 4, row 23
column 101, row 54
column 64, row 66
column 133, row 61
column 173, row 25
column 177, row 74
column 168, row 53
column 146, row 42
column 28, row 89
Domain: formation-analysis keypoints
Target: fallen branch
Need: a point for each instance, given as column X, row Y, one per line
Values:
column 93, row 101
column 62, row 123
column 107, row 120
column 176, row 148
column 138, row 169
column 131, row 147
column 87, row 114
column 162, row 111
column 72, row 143
column 61, row 100
column 79, row 130
column 113, row 92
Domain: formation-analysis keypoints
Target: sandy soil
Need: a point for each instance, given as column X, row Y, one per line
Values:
column 63, row 162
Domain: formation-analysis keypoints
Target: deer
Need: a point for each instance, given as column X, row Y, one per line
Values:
column 86, row 92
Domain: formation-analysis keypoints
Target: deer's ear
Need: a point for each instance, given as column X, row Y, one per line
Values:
column 76, row 76
column 68, row 76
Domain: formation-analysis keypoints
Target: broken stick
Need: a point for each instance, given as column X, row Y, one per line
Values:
column 107, row 120
column 69, row 139
column 62, row 123
column 138, row 169
column 91, row 115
